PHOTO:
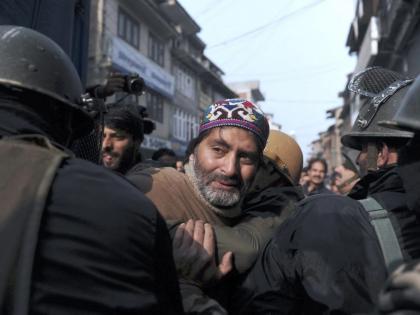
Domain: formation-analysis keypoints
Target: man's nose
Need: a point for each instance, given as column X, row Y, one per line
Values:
column 230, row 165
column 106, row 143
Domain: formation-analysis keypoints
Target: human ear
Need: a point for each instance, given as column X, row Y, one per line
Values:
column 383, row 155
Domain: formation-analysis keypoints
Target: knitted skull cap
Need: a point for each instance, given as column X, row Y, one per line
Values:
column 236, row 113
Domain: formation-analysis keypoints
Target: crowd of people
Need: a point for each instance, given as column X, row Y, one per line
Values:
column 236, row 226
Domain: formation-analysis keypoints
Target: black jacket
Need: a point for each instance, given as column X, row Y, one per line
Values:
column 410, row 175
column 102, row 246
column 103, row 249
column 386, row 186
column 325, row 259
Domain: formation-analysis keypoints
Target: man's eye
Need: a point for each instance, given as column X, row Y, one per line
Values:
column 217, row 149
column 247, row 159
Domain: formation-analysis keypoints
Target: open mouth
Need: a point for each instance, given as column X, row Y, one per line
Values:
column 107, row 158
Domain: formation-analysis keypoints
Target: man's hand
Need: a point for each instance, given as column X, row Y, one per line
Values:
column 194, row 253
column 114, row 83
column 401, row 294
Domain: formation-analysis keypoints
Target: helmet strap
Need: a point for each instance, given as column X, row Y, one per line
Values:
column 372, row 157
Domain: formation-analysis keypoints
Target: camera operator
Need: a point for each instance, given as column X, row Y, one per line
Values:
column 120, row 128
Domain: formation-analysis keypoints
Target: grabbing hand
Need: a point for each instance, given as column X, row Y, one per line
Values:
column 401, row 294
column 194, row 253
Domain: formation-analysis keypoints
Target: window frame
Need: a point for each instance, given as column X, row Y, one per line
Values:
column 128, row 28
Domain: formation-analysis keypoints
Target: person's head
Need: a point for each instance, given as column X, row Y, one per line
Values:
column 346, row 175
column 164, row 155
column 317, row 169
column 378, row 152
column 378, row 145
column 122, row 137
column 226, row 155
column 36, row 73
column 179, row 165
column 282, row 164
column 285, row 154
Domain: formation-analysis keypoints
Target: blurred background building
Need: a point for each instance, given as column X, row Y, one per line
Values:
column 157, row 39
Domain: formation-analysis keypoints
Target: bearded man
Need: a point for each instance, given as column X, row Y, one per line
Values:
column 221, row 164
column 122, row 137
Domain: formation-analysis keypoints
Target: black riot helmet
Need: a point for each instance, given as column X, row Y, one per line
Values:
column 385, row 90
column 31, row 62
column 408, row 116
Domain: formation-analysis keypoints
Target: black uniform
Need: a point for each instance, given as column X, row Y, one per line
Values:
column 324, row 259
column 102, row 247
column 386, row 186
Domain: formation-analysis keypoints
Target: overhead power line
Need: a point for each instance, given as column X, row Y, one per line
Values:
column 262, row 27
column 307, row 101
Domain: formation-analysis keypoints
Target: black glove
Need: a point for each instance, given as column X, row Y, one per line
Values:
column 401, row 294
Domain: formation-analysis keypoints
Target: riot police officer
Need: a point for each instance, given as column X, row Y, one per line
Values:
column 402, row 290
column 75, row 238
column 379, row 153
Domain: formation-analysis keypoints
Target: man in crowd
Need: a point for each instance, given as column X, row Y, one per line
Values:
column 327, row 257
column 222, row 163
column 165, row 156
column 122, row 137
column 346, row 175
column 317, row 169
column 75, row 238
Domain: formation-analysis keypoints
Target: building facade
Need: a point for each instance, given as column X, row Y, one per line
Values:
column 383, row 33
column 158, row 40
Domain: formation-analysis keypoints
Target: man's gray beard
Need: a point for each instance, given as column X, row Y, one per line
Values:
column 216, row 197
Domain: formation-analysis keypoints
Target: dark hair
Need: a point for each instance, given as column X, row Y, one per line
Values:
column 320, row 160
column 161, row 152
column 196, row 141
column 127, row 119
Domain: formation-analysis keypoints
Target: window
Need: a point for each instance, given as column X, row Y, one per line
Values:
column 184, row 82
column 185, row 126
column 154, row 106
column 128, row 28
column 156, row 50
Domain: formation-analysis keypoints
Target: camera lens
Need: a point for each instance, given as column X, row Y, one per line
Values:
column 136, row 85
